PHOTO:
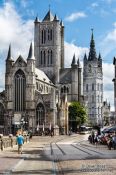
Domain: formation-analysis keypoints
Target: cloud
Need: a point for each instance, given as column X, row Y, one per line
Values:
column 70, row 50
column 14, row 30
column 94, row 5
column 75, row 16
column 108, row 43
column 109, row 1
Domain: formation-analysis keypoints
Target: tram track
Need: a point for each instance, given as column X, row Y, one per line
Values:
column 56, row 164
column 80, row 149
column 90, row 149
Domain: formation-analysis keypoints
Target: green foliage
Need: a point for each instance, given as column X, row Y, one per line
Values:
column 78, row 113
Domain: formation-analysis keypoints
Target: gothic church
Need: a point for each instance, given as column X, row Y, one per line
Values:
column 38, row 89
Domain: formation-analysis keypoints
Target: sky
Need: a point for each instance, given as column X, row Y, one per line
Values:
column 79, row 17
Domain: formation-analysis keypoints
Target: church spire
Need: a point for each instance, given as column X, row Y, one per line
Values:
column 99, row 57
column 85, row 57
column 9, row 57
column 56, row 18
column 74, row 64
column 73, row 60
column 78, row 63
column 92, row 52
column 31, row 52
column 36, row 19
column 49, row 16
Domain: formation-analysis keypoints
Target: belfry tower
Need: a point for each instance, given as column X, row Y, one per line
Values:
column 93, row 84
column 49, row 45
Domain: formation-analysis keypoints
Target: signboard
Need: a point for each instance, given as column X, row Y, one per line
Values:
column 16, row 119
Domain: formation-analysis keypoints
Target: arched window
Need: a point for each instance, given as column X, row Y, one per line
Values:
column 92, row 87
column 42, row 34
column 44, row 57
column 62, row 90
column 48, row 57
column 40, row 114
column 67, row 90
column 51, row 61
column 1, row 114
column 20, row 86
column 50, row 34
column 41, row 58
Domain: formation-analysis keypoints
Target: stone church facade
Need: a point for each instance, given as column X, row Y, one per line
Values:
column 39, row 88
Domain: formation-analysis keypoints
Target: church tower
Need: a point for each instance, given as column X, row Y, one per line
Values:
column 93, row 84
column 49, row 46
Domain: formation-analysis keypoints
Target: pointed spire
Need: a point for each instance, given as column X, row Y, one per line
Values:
column 85, row 57
column 9, row 57
column 49, row 16
column 56, row 18
column 31, row 52
column 99, row 57
column 36, row 19
column 61, row 23
column 92, row 52
column 78, row 63
column 74, row 60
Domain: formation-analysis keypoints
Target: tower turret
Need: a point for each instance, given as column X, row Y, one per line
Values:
column 31, row 59
column 9, row 60
column 92, row 52
column 99, row 60
column 74, row 64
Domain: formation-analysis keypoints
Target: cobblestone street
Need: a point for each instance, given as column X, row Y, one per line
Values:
column 39, row 157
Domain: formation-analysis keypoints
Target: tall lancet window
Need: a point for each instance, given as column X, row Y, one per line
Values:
column 20, row 86
column 51, row 59
column 48, row 57
column 40, row 114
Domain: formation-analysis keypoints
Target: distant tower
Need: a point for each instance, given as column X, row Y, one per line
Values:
column 49, row 45
column 93, row 84
column 114, row 80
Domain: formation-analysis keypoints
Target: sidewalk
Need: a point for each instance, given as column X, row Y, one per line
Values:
column 10, row 159
column 13, row 163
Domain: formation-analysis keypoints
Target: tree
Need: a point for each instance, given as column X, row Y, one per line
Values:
column 77, row 113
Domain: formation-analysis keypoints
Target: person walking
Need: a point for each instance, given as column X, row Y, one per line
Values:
column 20, row 141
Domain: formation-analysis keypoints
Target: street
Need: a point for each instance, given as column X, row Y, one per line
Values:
column 59, row 155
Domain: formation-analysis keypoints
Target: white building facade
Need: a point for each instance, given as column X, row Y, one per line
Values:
column 93, row 84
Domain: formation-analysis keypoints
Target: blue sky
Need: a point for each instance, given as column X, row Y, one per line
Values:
column 79, row 16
